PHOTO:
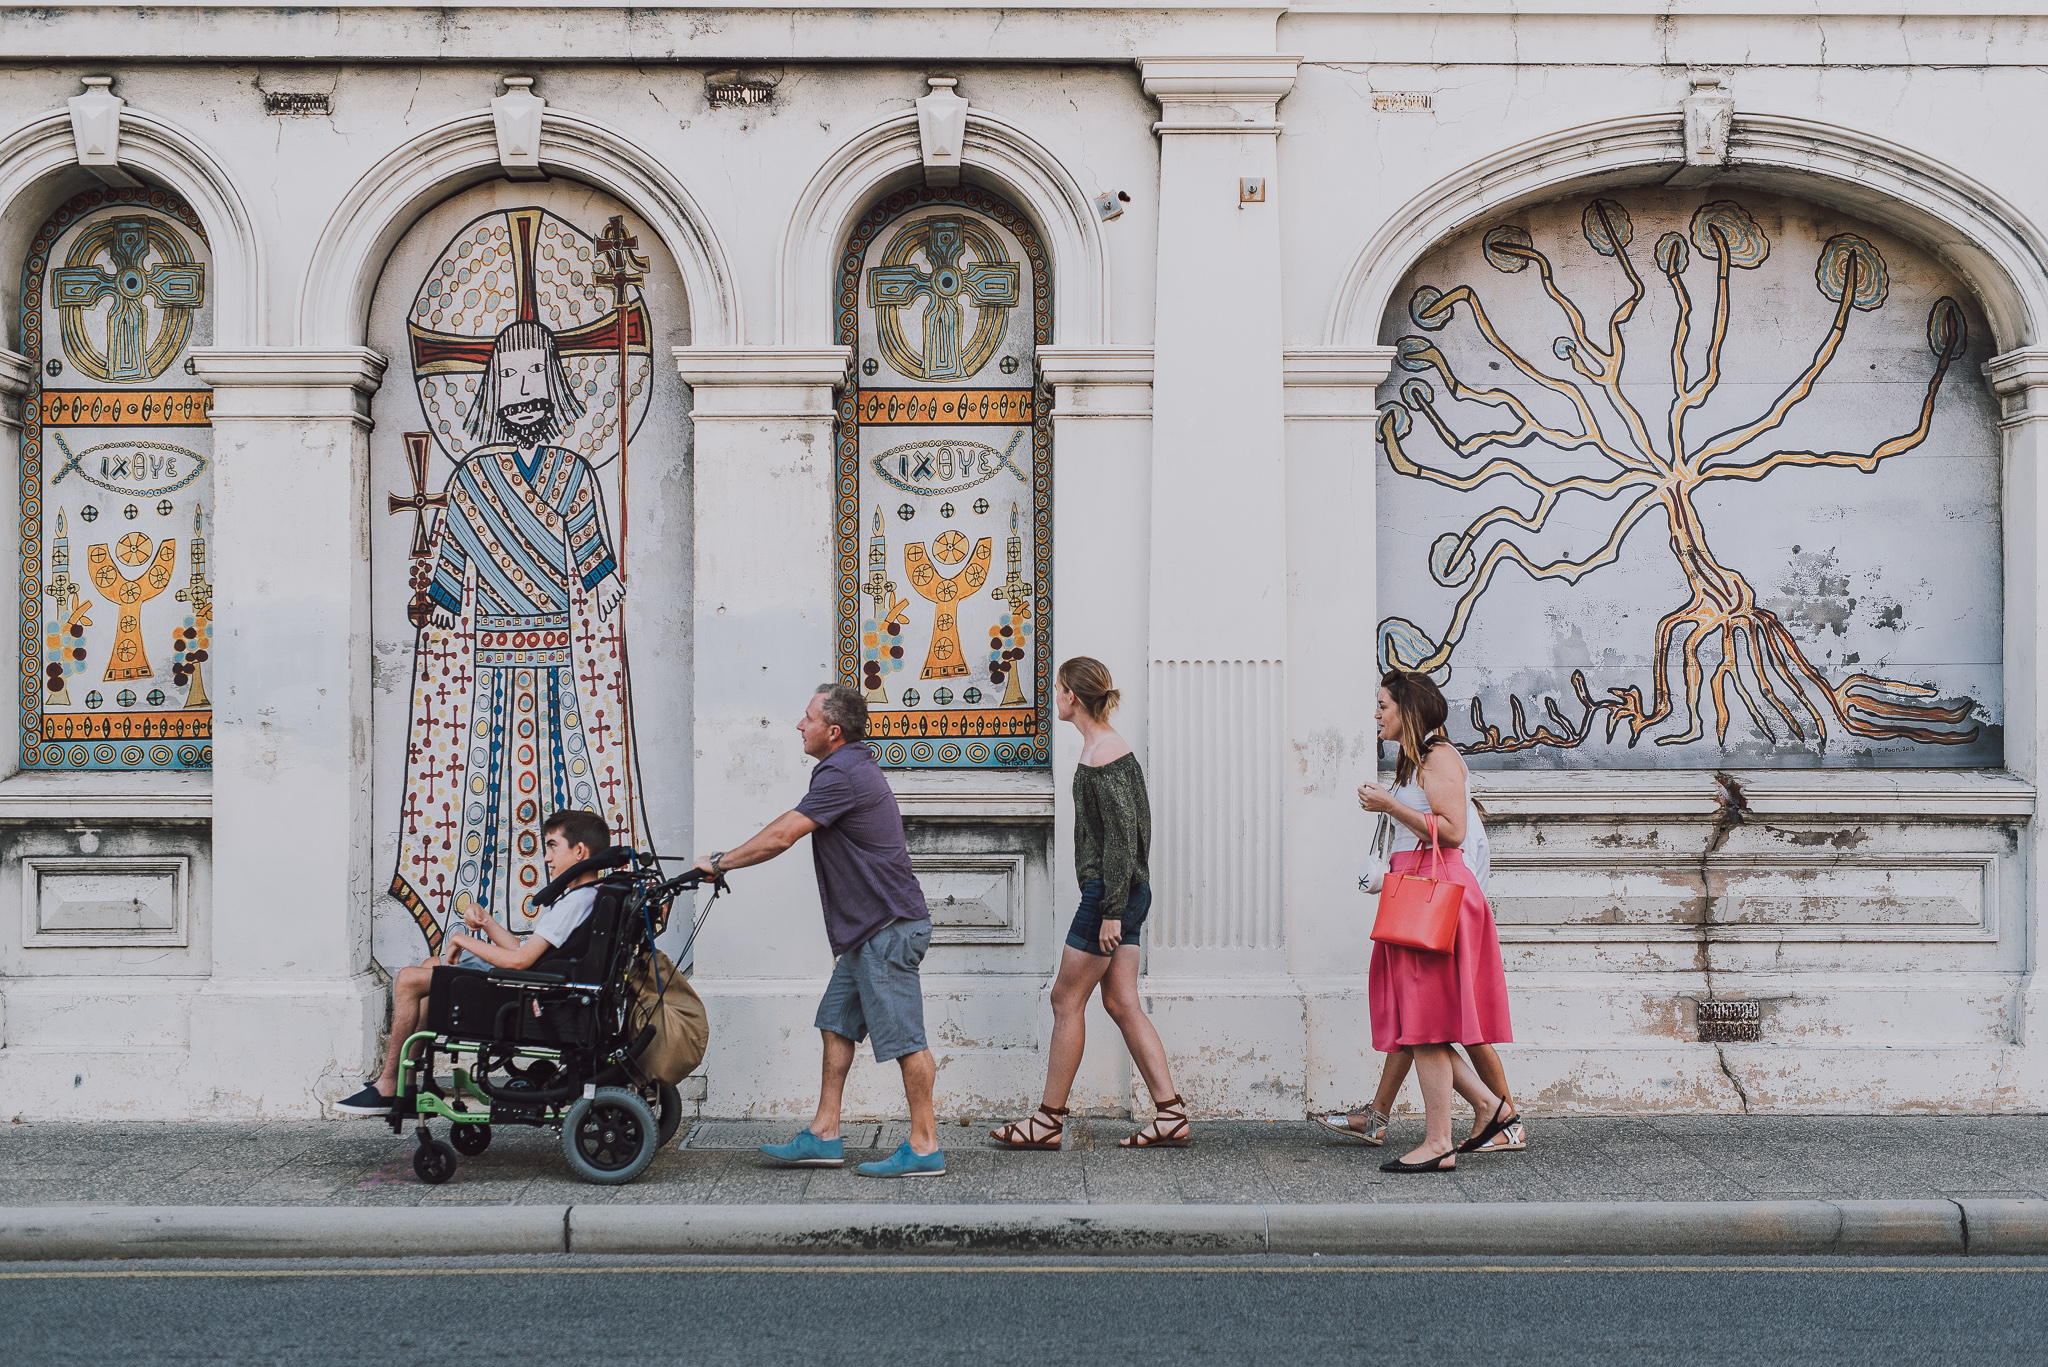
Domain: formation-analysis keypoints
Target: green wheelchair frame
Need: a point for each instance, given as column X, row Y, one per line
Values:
column 610, row 1133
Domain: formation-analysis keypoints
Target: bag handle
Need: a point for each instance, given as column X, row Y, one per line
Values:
column 1436, row 852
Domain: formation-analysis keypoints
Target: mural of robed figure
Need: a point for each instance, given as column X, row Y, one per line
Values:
column 524, row 594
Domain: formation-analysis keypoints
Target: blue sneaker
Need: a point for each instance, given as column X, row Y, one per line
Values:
column 907, row 1162
column 808, row 1151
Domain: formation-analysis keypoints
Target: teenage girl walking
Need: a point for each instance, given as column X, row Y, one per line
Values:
column 1112, row 840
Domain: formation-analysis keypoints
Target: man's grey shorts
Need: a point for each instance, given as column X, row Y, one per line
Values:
column 875, row 991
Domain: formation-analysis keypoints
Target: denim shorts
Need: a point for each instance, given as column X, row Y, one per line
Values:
column 1086, row 932
column 875, row 991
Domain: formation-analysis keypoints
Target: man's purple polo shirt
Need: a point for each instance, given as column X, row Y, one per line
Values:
column 864, row 874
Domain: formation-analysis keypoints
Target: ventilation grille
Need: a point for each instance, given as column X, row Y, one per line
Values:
column 744, row 93
column 1218, row 729
column 1730, row 1022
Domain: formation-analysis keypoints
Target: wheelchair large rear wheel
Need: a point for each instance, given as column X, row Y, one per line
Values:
column 611, row 1137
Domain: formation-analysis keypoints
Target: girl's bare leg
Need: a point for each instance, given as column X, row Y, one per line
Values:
column 1393, row 1073
column 1486, row 1063
column 1071, row 988
column 1120, row 999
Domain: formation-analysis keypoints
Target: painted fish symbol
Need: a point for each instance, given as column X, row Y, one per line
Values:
column 146, row 468
column 946, row 465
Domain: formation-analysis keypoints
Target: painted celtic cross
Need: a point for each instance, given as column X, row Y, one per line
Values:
column 176, row 283
column 993, row 284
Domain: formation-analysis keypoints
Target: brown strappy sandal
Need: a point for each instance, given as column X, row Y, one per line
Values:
column 1168, row 1128
column 1039, row 1130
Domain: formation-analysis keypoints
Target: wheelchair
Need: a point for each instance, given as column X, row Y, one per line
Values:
column 548, row 1045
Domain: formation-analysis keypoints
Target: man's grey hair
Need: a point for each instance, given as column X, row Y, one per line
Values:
column 844, row 708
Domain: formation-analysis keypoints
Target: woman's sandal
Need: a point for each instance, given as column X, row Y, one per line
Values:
column 1168, row 1128
column 1476, row 1143
column 1339, row 1122
column 1041, row 1129
column 1443, row 1162
column 1513, row 1139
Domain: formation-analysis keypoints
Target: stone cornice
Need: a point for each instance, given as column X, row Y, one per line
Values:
column 290, row 383
column 15, row 373
column 1101, row 365
column 764, row 381
column 1219, row 94
column 725, row 31
column 1908, row 794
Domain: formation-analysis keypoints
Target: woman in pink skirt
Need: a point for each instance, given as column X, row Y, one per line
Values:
column 1427, row 1002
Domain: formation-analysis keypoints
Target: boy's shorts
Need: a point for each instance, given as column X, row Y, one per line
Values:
column 875, row 990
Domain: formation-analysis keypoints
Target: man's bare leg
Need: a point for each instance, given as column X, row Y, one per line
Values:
column 832, row 1086
column 920, row 1074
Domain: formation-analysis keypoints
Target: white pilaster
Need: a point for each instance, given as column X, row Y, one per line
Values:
column 764, row 469
column 1217, row 972
column 291, row 1014
column 2020, row 379
column 1102, row 460
column 1332, row 590
column 15, row 374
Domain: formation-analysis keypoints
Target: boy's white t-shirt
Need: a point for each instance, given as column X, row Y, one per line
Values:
column 558, row 922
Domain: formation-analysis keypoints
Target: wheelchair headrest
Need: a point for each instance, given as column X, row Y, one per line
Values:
column 610, row 859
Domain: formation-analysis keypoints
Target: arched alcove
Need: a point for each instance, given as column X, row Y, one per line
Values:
column 39, row 170
column 385, row 203
column 998, row 157
column 1658, row 471
column 1985, row 239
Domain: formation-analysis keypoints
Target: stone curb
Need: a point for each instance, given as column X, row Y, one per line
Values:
column 1546, row 1229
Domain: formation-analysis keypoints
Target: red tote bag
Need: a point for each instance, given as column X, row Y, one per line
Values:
column 1420, row 913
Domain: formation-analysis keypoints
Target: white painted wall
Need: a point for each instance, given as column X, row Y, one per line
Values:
column 1214, row 366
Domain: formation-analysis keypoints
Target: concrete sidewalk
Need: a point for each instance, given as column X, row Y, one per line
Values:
column 1693, row 1158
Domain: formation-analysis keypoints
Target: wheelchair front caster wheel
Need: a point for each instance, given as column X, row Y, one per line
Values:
column 470, row 1139
column 611, row 1137
column 433, row 1162
column 669, row 1110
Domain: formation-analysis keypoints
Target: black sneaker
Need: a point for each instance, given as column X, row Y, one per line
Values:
column 369, row 1101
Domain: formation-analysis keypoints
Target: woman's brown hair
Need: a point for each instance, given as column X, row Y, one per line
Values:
column 1088, row 679
column 1423, row 714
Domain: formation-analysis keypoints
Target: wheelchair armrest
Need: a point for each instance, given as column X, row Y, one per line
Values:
column 526, row 977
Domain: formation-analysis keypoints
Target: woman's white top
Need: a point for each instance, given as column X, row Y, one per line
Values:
column 1478, row 856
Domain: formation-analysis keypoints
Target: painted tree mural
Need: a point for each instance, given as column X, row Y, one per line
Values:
column 1644, row 454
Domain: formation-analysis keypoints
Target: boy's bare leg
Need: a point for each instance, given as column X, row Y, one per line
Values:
column 408, row 1007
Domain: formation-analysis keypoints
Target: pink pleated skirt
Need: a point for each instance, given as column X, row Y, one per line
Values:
column 1455, row 998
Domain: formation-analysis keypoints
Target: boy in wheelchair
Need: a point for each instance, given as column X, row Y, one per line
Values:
column 570, row 837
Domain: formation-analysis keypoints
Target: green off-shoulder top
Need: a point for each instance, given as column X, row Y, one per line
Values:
column 1112, row 830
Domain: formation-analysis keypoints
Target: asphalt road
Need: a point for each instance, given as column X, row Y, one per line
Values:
column 987, row 1311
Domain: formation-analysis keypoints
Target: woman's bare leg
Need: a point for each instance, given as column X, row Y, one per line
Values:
column 1441, row 1072
column 1433, row 1070
column 1071, row 988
